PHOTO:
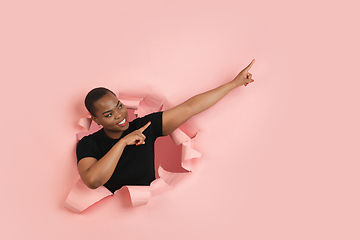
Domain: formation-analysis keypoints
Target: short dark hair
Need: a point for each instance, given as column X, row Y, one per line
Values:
column 94, row 95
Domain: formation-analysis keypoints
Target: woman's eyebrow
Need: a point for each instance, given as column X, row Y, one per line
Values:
column 108, row 111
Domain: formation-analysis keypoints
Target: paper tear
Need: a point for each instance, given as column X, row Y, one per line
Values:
column 139, row 195
column 81, row 197
column 131, row 103
column 148, row 105
column 85, row 123
column 179, row 137
column 91, row 128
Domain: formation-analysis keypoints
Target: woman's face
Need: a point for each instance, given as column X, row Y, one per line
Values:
column 112, row 115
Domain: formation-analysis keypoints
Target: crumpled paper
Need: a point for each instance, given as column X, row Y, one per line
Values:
column 81, row 197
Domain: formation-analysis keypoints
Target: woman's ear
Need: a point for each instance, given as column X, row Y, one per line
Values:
column 95, row 120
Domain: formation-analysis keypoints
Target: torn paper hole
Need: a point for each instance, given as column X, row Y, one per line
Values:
column 81, row 197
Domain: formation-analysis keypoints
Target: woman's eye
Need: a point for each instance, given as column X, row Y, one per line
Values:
column 109, row 115
column 120, row 106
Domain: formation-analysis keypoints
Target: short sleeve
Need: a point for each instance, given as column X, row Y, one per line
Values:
column 85, row 149
column 155, row 128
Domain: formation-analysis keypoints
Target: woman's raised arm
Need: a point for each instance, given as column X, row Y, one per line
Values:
column 174, row 117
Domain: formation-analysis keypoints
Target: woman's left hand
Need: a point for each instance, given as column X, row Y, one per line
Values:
column 244, row 77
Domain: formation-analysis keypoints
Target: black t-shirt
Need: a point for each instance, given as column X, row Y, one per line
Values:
column 136, row 164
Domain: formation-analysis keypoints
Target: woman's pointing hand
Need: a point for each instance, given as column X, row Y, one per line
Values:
column 244, row 77
column 136, row 137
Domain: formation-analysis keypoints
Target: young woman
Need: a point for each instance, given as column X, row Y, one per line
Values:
column 122, row 152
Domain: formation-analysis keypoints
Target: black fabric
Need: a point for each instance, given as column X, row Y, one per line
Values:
column 136, row 164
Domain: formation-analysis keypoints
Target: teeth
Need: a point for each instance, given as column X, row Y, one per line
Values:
column 123, row 121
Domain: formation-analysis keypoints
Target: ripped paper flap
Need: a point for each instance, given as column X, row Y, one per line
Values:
column 91, row 128
column 148, row 105
column 81, row 197
column 131, row 103
column 139, row 195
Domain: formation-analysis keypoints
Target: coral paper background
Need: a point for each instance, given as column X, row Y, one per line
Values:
column 280, row 158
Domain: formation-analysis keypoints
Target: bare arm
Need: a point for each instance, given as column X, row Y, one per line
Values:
column 96, row 173
column 176, row 116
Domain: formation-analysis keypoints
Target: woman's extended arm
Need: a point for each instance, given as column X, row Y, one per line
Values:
column 96, row 173
column 176, row 116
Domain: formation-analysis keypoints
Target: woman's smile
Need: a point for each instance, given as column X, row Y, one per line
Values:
column 112, row 115
column 122, row 123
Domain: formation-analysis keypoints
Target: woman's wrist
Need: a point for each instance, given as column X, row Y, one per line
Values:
column 233, row 84
column 121, row 143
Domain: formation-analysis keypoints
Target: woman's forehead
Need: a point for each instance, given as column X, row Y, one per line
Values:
column 108, row 102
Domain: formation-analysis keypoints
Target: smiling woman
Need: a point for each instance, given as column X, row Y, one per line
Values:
column 108, row 111
column 122, row 152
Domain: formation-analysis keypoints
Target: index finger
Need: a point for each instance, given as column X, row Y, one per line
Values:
column 250, row 65
column 144, row 127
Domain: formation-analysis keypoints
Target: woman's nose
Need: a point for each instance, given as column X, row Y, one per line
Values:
column 118, row 114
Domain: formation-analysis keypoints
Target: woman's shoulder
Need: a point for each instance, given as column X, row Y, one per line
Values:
column 155, row 127
column 155, row 116
column 93, row 137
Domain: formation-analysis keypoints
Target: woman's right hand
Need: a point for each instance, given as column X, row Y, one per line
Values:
column 136, row 137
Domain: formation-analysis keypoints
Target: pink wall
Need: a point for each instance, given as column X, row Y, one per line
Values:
column 279, row 156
